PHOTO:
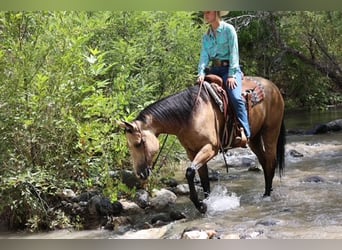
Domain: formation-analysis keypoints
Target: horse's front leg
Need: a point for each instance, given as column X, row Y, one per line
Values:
column 199, row 164
column 190, row 175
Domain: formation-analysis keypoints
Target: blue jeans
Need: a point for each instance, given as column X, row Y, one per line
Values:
column 234, row 96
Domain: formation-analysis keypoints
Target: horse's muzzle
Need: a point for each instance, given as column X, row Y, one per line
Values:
column 145, row 173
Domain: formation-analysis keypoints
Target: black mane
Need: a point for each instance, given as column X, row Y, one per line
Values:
column 176, row 108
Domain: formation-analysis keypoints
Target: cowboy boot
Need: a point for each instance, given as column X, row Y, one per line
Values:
column 241, row 141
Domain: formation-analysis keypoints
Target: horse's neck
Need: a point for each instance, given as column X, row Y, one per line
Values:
column 164, row 128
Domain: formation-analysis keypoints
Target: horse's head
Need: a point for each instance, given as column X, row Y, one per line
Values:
column 143, row 145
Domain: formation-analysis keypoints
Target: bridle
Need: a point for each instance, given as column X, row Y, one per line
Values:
column 143, row 144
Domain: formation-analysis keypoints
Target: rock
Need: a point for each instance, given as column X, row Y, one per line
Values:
column 152, row 233
column 169, row 182
column 248, row 162
column 196, row 234
column 314, row 179
column 199, row 234
column 130, row 207
column 230, row 237
column 176, row 215
column 103, row 207
column 162, row 198
column 67, row 194
column 213, row 175
column 295, row 132
column 160, row 217
column 267, row 222
column 119, row 224
column 182, row 189
column 142, row 198
column 85, row 196
column 334, row 126
column 254, row 169
column 295, row 153
column 251, row 235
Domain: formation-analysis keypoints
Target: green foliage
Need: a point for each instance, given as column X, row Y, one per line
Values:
column 67, row 77
column 316, row 36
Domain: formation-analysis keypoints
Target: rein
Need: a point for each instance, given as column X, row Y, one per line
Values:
column 159, row 153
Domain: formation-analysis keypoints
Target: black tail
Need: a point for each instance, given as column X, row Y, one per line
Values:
column 281, row 149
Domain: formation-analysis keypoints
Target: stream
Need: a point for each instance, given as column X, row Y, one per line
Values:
column 306, row 202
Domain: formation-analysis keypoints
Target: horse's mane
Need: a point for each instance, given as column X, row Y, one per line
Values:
column 174, row 108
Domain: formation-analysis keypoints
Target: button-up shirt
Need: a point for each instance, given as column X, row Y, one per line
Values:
column 222, row 46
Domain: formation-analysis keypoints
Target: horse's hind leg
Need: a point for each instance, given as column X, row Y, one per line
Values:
column 265, row 151
column 270, row 145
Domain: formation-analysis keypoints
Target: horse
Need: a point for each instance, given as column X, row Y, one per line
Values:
column 198, row 123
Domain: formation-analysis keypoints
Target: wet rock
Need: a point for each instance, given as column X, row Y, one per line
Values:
column 230, row 237
column 294, row 153
column 119, row 224
column 295, row 132
column 196, row 234
column 142, row 198
column 130, row 207
column 252, row 235
column 248, row 162
column 334, row 126
column 103, row 207
column 176, row 215
column 254, row 169
column 169, row 182
column 213, row 175
column 67, row 194
column 314, row 179
column 267, row 222
column 162, row 198
column 286, row 210
column 160, row 217
column 85, row 196
column 151, row 233
column 182, row 189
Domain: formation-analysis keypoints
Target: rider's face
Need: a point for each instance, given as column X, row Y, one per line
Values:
column 209, row 16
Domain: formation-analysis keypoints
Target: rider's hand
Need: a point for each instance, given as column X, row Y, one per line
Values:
column 200, row 79
column 231, row 83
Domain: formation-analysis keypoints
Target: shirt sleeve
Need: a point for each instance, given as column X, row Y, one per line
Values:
column 234, row 51
column 204, row 59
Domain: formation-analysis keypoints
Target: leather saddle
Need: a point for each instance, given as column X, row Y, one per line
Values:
column 252, row 92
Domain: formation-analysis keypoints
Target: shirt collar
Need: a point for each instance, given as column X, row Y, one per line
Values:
column 219, row 29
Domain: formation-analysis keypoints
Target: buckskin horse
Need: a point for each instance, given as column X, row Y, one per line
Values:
column 195, row 118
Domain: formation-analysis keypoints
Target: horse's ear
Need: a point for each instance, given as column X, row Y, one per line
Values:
column 127, row 126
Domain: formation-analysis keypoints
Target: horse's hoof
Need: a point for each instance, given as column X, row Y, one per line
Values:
column 202, row 208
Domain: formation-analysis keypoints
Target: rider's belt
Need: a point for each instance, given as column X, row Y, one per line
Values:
column 219, row 63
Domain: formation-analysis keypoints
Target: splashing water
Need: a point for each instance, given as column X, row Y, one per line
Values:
column 220, row 201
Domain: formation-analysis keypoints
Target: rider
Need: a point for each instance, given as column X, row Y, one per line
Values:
column 220, row 47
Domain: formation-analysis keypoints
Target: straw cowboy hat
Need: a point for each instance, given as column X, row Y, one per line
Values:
column 223, row 13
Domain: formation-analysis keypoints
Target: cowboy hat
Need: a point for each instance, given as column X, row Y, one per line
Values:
column 223, row 13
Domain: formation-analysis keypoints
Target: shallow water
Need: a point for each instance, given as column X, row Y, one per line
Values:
column 306, row 201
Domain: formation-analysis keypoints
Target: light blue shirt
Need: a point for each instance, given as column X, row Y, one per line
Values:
column 222, row 47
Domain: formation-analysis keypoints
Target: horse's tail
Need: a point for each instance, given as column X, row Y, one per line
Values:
column 281, row 148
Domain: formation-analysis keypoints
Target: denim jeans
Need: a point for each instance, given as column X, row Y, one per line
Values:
column 234, row 96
